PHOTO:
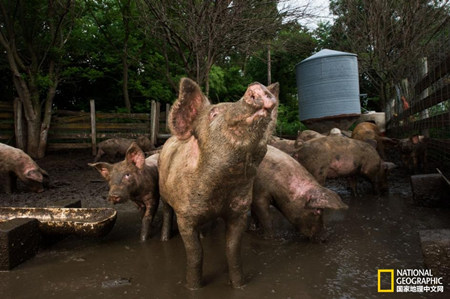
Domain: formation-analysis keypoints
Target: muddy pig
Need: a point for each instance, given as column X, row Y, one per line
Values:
column 207, row 167
column 286, row 145
column 15, row 163
column 115, row 147
column 306, row 135
column 369, row 132
column 335, row 156
column 135, row 179
column 413, row 153
column 282, row 182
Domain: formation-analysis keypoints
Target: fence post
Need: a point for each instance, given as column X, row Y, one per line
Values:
column 18, row 124
column 154, row 121
column 93, row 128
column 167, row 117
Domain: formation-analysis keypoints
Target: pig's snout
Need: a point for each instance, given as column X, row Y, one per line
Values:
column 114, row 199
column 260, row 97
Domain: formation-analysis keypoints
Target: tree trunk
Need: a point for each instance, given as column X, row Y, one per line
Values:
column 126, row 96
column 269, row 66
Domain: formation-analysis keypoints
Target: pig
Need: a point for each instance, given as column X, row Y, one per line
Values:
column 335, row 156
column 15, row 163
column 306, row 135
column 282, row 182
column 369, row 132
column 135, row 179
column 286, row 145
column 413, row 152
column 115, row 147
column 207, row 167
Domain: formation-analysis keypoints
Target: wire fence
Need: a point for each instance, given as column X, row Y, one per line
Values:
column 422, row 103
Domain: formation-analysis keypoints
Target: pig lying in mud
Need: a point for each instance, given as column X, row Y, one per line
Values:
column 15, row 163
column 207, row 167
column 284, row 183
column 135, row 179
column 335, row 156
column 369, row 132
column 286, row 145
column 116, row 147
column 413, row 152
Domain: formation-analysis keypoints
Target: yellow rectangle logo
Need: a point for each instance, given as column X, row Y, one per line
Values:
column 391, row 271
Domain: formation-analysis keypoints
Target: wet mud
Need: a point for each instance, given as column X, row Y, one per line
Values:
column 374, row 233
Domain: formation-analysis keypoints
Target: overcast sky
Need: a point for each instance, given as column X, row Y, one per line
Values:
column 318, row 8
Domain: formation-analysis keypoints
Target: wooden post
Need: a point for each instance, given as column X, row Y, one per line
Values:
column 18, row 124
column 154, row 123
column 167, row 117
column 93, row 129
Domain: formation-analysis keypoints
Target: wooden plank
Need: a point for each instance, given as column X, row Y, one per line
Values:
column 71, row 119
column 6, row 115
column 122, row 126
column 69, row 135
column 438, row 72
column 6, row 106
column 9, row 126
column 131, row 116
column 58, row 146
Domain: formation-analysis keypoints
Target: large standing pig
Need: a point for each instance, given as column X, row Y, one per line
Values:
column 282, row 182
column 413, row 153
column 207, row 167
column 369, row 132
column 14, row 163
column 136, row 179
column 118, row 146
column 335, row 156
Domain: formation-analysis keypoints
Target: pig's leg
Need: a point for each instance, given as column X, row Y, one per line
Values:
column 151, row 205
column 100, row 153
column 235, row 228
column 167, row 221
column 194, row 252
column 352, row 182
column 260, row 210
column 11, row 182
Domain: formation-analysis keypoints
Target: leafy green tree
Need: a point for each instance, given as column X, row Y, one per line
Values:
column 33, row 35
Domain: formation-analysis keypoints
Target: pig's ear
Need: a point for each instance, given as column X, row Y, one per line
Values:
column 325, row 199
column 135, row 155
column 372, row 142
column 274, row 89
column 34, row 175
column 186, row 108
column 103, row 168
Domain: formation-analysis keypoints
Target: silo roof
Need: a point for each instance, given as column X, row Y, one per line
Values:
column 327, row 53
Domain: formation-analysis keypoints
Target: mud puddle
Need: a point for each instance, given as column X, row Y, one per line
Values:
column 375, row 233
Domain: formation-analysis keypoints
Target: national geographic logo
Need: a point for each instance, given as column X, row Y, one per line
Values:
column 408, row 281
column 386, row 273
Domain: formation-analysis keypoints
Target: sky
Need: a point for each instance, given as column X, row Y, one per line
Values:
column 319, row 8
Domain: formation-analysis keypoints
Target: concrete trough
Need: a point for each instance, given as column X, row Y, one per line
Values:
column 430, row 190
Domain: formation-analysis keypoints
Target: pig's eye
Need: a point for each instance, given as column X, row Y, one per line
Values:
column 127, row 176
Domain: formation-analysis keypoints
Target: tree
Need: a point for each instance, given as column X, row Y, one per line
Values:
column 389, row 36
column 200, row 32
column 33, row 34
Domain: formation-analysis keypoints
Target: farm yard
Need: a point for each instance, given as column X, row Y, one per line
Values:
column 376, row 232
column 299, row 155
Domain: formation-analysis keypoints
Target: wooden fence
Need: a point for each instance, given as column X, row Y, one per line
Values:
column 78, row 130
column 429, row 112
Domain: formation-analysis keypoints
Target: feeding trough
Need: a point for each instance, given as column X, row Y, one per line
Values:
column 91, row 222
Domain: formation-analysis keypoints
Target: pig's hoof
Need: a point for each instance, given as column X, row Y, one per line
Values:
column 238, row 285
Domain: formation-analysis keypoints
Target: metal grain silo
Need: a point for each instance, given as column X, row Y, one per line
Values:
column 328, row 90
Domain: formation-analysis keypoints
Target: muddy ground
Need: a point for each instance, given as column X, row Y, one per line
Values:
column 374, row 233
